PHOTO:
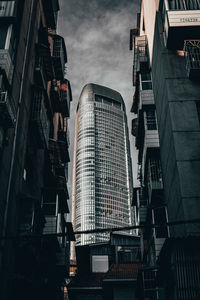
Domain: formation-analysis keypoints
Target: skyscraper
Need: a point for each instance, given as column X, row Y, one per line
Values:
column 102, row 165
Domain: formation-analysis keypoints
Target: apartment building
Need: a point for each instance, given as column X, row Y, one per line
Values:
column 35, row 98
column 166, row 73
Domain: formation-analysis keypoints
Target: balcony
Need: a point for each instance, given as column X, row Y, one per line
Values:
column 143, row 205
column 154, row 179
column 59, row 56
column 6, row 63
column 64, row 152
column 58, row 153
column 65, row 99
column 61, row 259
column 147, row 97
column 61, row 183
column 50, row 225
column 7, row 110
column 39, row 121
column 64, row 137
column 141, row 54
column 44, row 51
column 134, row 127
column 181, row 22
column 192, row 56
column 51, row 8
column 40, row 72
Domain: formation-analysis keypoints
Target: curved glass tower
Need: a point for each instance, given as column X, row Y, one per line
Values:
column 102, row 166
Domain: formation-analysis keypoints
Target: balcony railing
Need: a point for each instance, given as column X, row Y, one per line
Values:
column 44, row 52
column 58, row 152
column 154, row 176
column 39, row 120
column 50, row 225
column 141, row 55
column 40, row 72
column 61, row 183
column 59, row 56
column 51, row 8
column 192, row 56
column 147, row 97
column 54, row 153
column 6, row 63
column 134, row 126
column 7, row 110
column 64, row 136
column 181, row 20
column 65, row 99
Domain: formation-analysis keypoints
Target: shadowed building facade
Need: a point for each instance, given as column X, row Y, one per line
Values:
column 102, row 167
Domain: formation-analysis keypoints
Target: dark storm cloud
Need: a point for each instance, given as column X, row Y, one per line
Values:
column 96, row 34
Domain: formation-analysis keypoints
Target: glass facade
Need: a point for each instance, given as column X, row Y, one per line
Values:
column 102, row 174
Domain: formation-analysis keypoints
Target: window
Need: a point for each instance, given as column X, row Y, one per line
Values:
column 198, row 109
column 7, row 38
column 100, row 263
column 160, row 218
column 3, row 35
column 151, row 119
column 146, row 82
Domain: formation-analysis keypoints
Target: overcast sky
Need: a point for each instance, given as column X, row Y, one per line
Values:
column 97, row 34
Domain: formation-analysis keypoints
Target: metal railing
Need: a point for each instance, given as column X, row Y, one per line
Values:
column 39, row 116
column 183, row 4
column 40, row 67
column 154, row 178
column 192, row 56
column 59, row 56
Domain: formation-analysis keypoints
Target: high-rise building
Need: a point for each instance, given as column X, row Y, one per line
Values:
column 166, row 76
column 102, row 166
column 35, row 101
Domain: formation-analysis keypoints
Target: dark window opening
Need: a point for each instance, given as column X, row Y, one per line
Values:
column 151, row 119
column 160, row 218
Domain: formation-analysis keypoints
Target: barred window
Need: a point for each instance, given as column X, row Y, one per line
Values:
column 151, row 119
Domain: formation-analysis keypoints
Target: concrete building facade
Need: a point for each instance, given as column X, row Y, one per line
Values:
column 34, row 108
column 171, row 54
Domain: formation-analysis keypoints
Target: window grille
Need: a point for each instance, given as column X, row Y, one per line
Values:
column 192, row 56
column 160, row 218
column 184, row 4
column 39, row 116
column 151, row 119
column 141, row 57
column 155, row 173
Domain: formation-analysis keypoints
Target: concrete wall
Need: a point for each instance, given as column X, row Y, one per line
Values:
column 179, row 132
column 148, row 12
